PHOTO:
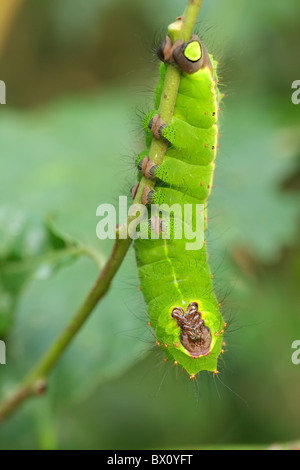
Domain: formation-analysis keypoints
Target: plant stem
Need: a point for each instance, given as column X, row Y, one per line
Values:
column 35, row 383
column 181, row 29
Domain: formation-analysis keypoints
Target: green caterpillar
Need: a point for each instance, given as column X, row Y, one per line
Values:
column 177, row 284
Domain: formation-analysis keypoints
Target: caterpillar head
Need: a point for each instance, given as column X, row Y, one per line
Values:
column 195, row 336
column 190, row 56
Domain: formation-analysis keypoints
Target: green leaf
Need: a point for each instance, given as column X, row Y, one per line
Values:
column 29, row 247
column 67, row 159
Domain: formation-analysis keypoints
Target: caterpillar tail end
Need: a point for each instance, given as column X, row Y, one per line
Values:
column 193, row 341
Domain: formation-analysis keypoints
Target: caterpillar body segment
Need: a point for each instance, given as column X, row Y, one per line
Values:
column 177, row 282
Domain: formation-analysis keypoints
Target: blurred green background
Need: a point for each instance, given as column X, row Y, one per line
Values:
column 79, row 75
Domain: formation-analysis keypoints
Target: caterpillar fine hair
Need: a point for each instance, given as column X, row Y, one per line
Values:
column 177, row 283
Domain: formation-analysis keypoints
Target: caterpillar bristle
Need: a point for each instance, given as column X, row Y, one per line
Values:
column 172, row 283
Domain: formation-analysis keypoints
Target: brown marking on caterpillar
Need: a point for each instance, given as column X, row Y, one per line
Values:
column 222, row 332
column 166, row 49
column 156, row 126
column 134, row 190
column 145, row 166
column 156, row 224
column 225, row 325
column 165, row 359
column 145, row 195
column 192, row 377
column 169, row 53
column 217, row 334
column 189, row 66
column 158, row 343
column 176, row 363
column 166, row 346
column 195, row 336
column 149, row 323
column 224, row 344
column 222, row 351
column 176, row 345
column 216, row 372
column 148, row 169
